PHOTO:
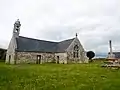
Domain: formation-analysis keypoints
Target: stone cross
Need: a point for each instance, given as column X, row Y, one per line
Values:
column 76, row 35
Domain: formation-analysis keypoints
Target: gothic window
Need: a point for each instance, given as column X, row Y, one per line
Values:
column 77, row 54
column 74, row 54
column 76, row 50
column 76, row 47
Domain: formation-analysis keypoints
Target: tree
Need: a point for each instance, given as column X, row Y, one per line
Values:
column 2, row 54
column 90, row 54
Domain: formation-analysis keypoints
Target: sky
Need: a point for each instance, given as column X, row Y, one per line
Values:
column 95, row 21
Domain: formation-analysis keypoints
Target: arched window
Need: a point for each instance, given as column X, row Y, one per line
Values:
column 76, row 50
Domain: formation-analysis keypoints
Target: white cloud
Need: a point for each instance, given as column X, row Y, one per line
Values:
column 96, row 21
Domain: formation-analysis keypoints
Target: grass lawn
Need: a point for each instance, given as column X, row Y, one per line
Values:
column 58, row 77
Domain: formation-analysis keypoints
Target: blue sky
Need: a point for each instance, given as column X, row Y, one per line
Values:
column 95, row 21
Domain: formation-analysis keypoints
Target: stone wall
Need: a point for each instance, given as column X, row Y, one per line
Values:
column 31, row 57
column 71, row 59
column 62, row 57
column 81, row 53
column 11, row 51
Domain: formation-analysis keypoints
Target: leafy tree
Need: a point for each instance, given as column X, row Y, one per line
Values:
column 2, row 54
column 90, row 54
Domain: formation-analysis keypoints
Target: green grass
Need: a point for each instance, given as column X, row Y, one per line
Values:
column 58, row 77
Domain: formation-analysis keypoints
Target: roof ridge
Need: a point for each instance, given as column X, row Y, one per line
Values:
column 37, row 39
column 67, row 40
column 46, row 40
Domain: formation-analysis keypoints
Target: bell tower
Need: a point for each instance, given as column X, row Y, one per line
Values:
column 16, row 29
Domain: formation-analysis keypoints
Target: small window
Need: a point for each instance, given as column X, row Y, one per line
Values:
column 17, row 26
column 57, row 59
column 17, row 30
column 74, row 54
column 9, row 58
column 77, row 54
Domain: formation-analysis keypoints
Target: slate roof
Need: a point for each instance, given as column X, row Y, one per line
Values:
column 25, row 44
column 117, row 54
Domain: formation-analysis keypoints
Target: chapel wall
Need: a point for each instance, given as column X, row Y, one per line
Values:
column 31, row 57
column 62, row 58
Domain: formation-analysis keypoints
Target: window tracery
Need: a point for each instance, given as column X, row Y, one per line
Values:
column 76, row 51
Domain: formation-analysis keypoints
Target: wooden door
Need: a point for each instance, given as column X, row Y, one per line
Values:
column 57, row 59
column 38, row 61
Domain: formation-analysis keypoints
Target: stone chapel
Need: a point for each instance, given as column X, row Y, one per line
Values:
column 29, row 50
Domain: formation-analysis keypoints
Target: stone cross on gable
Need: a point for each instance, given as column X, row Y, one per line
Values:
column 76, row 35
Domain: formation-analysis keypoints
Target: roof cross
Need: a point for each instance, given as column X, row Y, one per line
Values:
column 76, row 35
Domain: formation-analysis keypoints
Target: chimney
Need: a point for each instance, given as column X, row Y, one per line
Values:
column 110, row 43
